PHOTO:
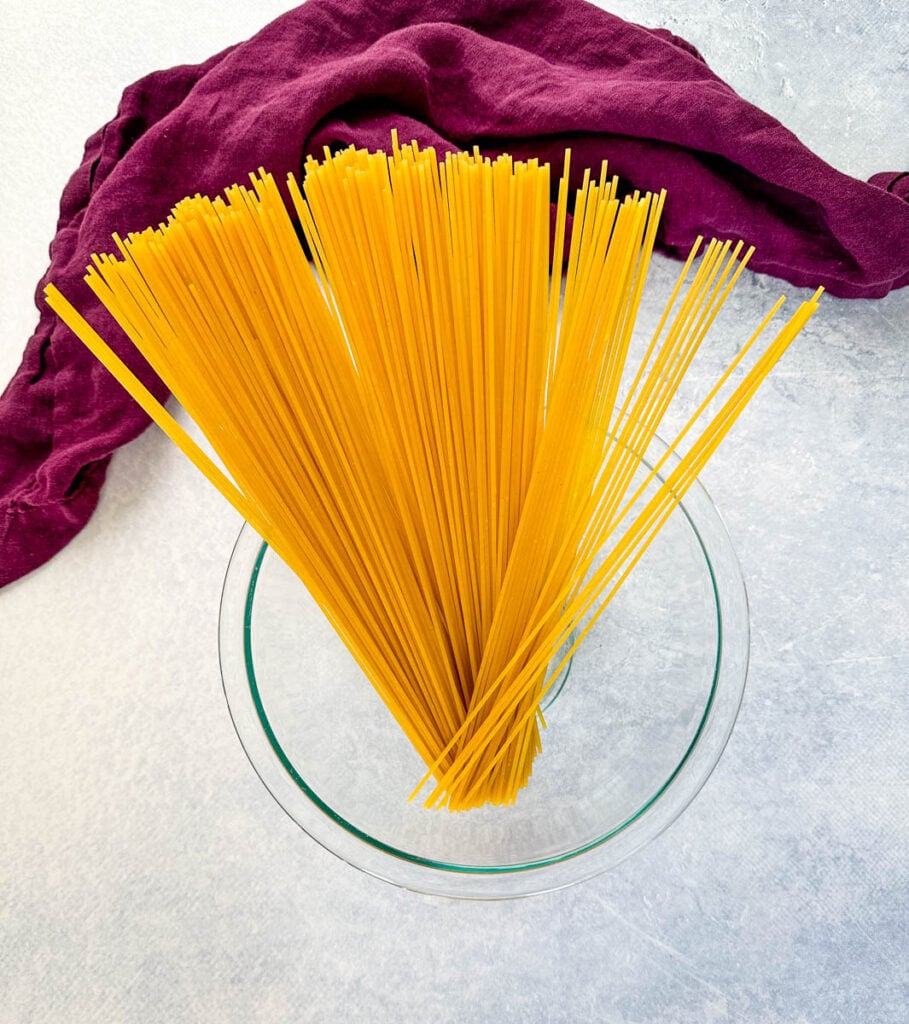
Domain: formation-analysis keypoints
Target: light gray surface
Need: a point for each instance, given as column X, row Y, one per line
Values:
column 146, row 874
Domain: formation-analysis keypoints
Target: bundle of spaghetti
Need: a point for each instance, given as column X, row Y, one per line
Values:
column 446, row 449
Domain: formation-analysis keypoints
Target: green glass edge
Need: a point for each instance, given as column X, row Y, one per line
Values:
column 441, row 865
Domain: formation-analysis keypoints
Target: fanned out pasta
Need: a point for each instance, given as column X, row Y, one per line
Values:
column 442, row 444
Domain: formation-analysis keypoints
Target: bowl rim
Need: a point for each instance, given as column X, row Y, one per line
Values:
column 424, row 874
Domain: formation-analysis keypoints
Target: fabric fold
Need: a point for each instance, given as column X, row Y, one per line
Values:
column 520, row 76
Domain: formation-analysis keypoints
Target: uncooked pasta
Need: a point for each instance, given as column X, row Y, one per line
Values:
column 440, row 435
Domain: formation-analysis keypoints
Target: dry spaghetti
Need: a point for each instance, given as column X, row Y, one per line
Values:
column 444, row 447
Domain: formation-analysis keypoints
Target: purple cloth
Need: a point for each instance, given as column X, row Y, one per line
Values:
column 529, row 76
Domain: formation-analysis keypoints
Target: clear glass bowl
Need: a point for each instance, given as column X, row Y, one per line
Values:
column 653, row 693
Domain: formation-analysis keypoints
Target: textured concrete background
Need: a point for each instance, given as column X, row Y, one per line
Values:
column 147, row 876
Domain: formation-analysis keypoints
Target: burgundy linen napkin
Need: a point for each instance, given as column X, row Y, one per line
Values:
column 527, row 76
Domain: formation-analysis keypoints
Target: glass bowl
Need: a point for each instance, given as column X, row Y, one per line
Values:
column 632, row 736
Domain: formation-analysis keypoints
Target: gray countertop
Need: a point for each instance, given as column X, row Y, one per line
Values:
column 148, row 876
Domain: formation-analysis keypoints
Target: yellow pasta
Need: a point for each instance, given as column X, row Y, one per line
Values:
column 443, row 446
